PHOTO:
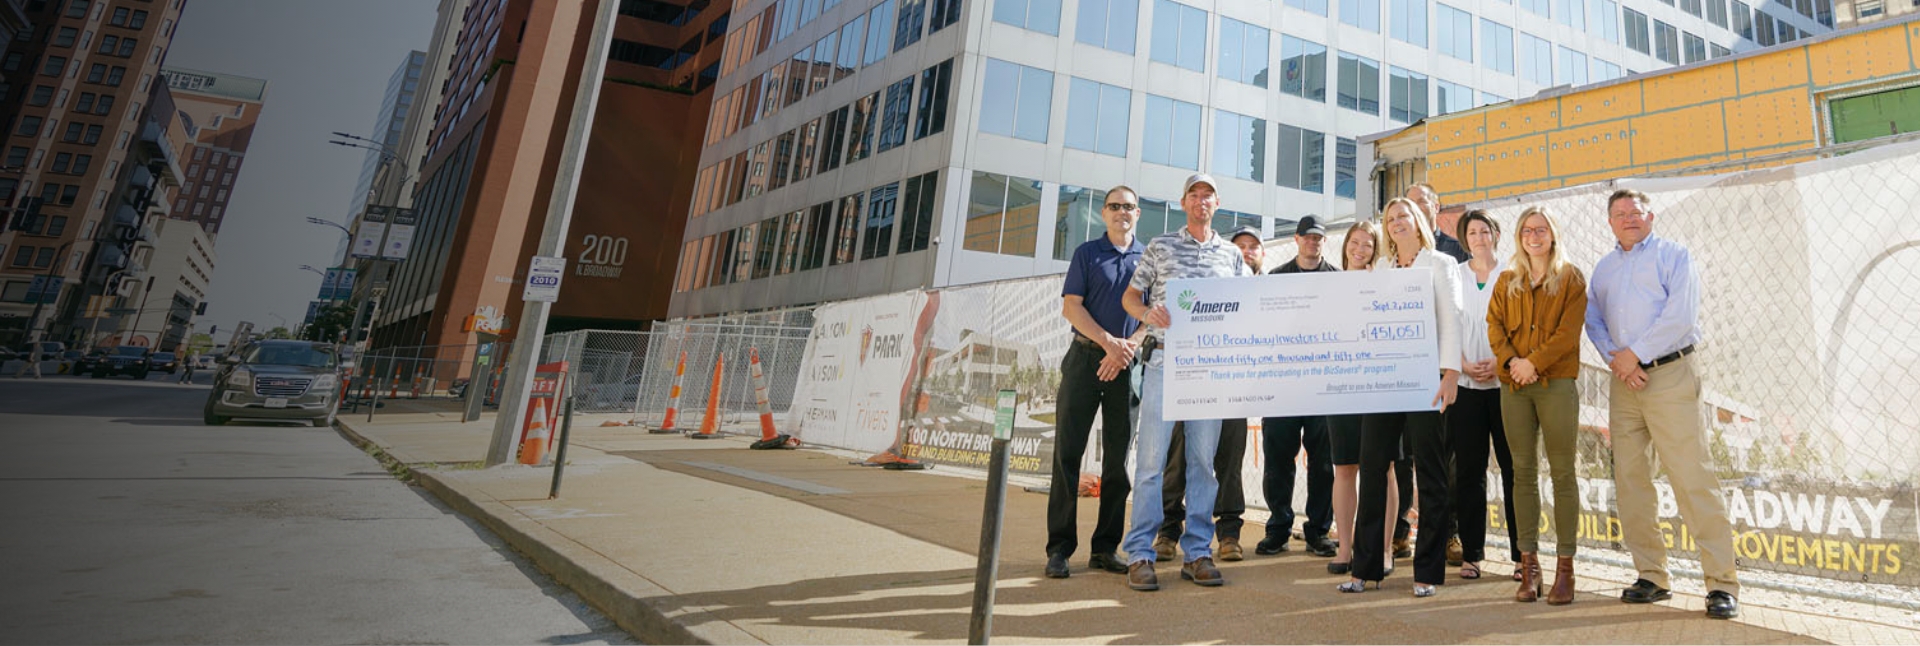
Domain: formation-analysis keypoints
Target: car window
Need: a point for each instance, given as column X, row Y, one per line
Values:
column 310, row 356
column 130, row 350
column 163, row 356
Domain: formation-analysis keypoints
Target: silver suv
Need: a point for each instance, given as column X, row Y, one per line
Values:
column 277, row 380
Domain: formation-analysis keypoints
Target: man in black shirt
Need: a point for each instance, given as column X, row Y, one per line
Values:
column 1429, row 201
column 1283, row 437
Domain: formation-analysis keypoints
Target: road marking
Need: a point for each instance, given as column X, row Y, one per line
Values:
column 790, row 483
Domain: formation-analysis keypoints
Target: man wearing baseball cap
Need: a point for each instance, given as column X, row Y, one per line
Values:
column 1194, row 251
column 1281, row 438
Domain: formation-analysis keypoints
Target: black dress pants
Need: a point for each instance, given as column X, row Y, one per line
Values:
column 1474, row 424
column 1381, row 435
column 1229, row 505
column 1281, row 438
column 1081, row 394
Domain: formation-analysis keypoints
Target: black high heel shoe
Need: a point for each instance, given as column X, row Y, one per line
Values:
column 1336, row 567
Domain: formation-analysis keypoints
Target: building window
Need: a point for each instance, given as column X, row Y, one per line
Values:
column 1003, row 215
column 1573, row 67
column 119, row 18
column 1604, row 71
column 105, row 105
column 1359, row 83
column 13, row 61
column 1763, row 28
column 943, row 14
column 54, row 66
column 1303, row 68
column 1538, row 7
column 1717, row 13
column 720, row 271
column 1345, row 154
column 78, row 8
column 846, row 232
column 1604, row 23
column 1179, row 35
column 81, row 163
column 1077, row 219
column 139, row 20
column 1454, row 30
column 848, row 58
column 85, row 103
column 42, row 95
column 1716, row 51
column 877, row 236
column 1364, row 14
column 933, row 100
column 790, row 229
column 97, row 73
column 17, row 156
column 65, row 36
column 1406, row 95
column 833, row 139
column 1691, row 6
column 921, row 198
column 1573, row 13
column 29, row 127
column 1536, row 59
column 893, row 115
column 879, row 31
column 1318, row 7
column 1172, row 134
column 107, row 44
column 765, row 245
column 860, row 130
column 1243, row 52
column 1636, row 31
column 912, row 19
column 1108, row 24
column 1408, row 23
column 1666, row 42
column 1033, row 15
column 1097, row 117
column 1016, row 100
column 1239, row 146
column 1742, row 20
column 1694, row 47
column 805, row 144
column 1451, row 97
column 782, row 160
column 1496, row 46
column 819, row 229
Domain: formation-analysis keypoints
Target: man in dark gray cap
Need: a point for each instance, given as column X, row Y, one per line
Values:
column 1281, row 438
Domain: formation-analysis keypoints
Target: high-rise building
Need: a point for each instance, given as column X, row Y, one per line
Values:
column 389, row 126
column 858, row 147
column 495, row 142
column 178, row 273
column 1846, row 14
column 219, row 111
column 77, row 86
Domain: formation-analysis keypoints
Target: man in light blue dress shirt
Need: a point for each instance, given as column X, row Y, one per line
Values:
column 1643, row 314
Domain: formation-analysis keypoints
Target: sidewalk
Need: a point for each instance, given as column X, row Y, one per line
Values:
column 683, row 541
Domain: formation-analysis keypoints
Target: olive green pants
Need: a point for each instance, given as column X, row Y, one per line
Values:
column 1545, row 412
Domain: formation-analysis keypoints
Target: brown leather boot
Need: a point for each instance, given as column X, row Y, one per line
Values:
column 1562, row 592
column 1529, row 578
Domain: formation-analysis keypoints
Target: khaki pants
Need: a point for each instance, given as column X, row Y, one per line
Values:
column 1665, row 419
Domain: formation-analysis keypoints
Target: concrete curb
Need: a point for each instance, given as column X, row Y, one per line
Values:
column 609, row 587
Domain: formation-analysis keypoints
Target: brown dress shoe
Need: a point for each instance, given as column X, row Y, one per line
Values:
column 1562, row 592
column 1456, row 555
column 1403, row 548
column 1140, row 576
column 1529, row 591
column 1164, row 547
column 1202, row 571
column 1230, row 549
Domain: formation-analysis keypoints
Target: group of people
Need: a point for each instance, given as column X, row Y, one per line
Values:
column 1508, row 344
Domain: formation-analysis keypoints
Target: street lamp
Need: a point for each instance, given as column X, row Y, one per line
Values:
column 311, row 268
column 392, row 165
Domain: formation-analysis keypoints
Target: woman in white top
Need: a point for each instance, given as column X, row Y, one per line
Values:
column 1409, row 244
column 1357, row 253
column 1473, row 422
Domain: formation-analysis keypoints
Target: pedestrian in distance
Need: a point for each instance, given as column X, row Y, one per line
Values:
column 1409, row 245
column 1358, row 252
column 1095, row 377
column 1533, row 322
column 1643, row 315
column 1193, row 251
column 1283, row 438
column 1230, row 505
column 1473, row 422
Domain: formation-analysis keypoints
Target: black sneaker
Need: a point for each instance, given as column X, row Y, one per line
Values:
column 1644, row 591
column 1321, row 547
column 1271, row 545
column 1108, row 562
column 1057, row 566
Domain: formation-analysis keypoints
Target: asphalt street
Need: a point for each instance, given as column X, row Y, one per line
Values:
column 128, row 521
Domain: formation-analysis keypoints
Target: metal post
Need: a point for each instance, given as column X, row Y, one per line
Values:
column 560, row 455
column 374, row 376
column 980, row 624
column 566, row 184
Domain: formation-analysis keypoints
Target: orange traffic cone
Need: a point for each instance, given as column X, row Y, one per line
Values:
column 673, row 397
column 534, row 446
column 769, row 438
column 712, row 422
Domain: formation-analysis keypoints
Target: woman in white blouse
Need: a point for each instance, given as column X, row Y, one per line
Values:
column 1473, row 422
column 1409, row 245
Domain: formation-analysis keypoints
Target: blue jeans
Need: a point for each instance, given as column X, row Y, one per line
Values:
column 1150, row 462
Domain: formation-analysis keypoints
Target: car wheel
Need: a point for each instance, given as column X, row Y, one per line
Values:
column 208, row 416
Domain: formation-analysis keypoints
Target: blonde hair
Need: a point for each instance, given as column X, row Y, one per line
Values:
column 1390, row 248
column 1369, row 229
column 1522, row 264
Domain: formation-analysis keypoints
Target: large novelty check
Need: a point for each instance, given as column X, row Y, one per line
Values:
column 1301, row 344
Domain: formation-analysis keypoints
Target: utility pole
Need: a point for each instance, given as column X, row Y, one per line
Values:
column 553, row 237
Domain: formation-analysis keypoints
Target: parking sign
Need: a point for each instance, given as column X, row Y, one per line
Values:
column 543, row 279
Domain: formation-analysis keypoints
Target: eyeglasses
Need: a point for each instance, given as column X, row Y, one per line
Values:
column 1120, row 206
column 1532, row 232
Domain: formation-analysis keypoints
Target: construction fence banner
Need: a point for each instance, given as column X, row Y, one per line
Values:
column 857, row 369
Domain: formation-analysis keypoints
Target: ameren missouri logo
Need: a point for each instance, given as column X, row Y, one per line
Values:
column 1190, row 301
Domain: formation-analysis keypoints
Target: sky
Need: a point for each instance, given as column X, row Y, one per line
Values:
column 327, row 65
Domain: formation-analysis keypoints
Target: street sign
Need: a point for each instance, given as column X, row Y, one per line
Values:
column 1003, row 416
column 543, row 279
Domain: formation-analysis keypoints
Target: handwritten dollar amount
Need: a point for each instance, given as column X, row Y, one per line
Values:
column 1393, row 331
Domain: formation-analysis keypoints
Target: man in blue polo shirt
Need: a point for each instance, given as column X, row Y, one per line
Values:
column 1094, row 376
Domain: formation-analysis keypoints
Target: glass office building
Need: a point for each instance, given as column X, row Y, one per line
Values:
column 859, row 147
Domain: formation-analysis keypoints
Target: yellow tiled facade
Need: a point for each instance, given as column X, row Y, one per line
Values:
column 1752, row 105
